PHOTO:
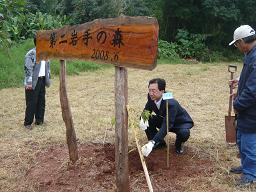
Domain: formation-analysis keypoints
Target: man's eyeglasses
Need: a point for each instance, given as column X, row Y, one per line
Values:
column 153, row 91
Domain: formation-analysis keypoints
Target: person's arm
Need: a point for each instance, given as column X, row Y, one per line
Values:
column 248, row 96
column 28, row 68
column 48, row 74
column 172, row 112
column 49, row 69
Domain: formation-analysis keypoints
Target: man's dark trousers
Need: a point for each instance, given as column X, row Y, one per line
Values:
column 182, row 134
column 35, row 103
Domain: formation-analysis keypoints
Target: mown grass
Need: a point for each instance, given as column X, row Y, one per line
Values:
column 12, row 65
column 92, row 102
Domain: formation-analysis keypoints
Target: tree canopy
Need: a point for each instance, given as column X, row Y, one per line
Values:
column 213, row 20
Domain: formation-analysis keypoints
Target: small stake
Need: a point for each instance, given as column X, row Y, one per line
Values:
column 166, row 96
column 167, row 136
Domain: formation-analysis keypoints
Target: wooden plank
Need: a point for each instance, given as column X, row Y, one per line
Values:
column 123, row 41
column 121, row 130
column 67, row 116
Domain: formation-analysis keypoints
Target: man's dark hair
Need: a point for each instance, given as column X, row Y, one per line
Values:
column 160, row 82
column 250, row 39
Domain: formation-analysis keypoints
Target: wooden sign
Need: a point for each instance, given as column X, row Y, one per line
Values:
column 123, row 41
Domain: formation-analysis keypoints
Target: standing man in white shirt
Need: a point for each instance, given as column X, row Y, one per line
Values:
column 37, row 76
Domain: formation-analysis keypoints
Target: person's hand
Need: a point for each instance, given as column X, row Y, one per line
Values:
column 143, row 125
column 146, row 149
column 233, row 83
column 28, row 87
column 233, row 95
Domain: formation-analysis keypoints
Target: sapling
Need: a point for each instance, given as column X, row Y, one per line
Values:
column 146, row 114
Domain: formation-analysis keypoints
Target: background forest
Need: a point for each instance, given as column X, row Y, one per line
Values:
column 189, row 29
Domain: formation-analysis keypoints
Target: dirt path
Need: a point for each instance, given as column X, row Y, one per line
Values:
column 37, row 160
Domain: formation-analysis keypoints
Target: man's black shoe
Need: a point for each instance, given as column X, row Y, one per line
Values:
column 28, row 127
column 159, row 145
column 39, row 122
column 245, row 182
column 179, row 146
column 236, row 170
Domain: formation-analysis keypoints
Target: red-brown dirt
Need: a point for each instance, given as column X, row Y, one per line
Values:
column 95, row 170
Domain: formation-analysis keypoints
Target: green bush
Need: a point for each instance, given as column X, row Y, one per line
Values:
column 167, row 50
column 188, row 46
column 25, row 26
column 191, row 45
column 20, row 23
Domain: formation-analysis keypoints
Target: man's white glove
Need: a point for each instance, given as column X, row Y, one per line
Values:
column 143, row 125
column 146, row 149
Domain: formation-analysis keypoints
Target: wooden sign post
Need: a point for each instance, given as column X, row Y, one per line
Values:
column 121, row 129
column 122, row 41
column 66, row 115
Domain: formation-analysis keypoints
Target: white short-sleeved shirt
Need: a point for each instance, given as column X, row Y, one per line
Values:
column 42, row 69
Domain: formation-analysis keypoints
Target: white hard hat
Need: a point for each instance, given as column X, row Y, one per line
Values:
column 242, row 32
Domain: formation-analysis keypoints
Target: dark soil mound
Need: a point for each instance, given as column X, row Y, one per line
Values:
column 95, row 170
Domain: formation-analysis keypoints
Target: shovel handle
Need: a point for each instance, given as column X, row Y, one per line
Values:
column 232, row 69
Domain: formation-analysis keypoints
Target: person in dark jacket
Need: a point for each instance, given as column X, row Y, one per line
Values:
column 179, row 120
column 245, row 105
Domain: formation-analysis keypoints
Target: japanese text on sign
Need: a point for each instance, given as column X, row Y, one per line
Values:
column 123, row 41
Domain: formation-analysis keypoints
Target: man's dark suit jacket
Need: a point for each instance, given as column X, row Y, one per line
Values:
column 178, row 116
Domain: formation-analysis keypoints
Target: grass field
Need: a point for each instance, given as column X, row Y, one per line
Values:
column 202, row 89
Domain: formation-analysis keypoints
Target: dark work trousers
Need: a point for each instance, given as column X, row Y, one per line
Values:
column 182, row 134
column 35, row 103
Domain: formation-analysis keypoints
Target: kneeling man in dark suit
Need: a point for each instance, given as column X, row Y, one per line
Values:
column 180, row 122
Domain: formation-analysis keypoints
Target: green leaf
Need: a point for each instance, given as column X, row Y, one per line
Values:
column 146, row 115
